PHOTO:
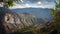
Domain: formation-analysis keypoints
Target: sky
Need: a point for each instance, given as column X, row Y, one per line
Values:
column 34, row 4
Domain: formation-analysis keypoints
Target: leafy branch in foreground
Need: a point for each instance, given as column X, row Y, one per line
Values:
column 56, row 15
column 8, row 3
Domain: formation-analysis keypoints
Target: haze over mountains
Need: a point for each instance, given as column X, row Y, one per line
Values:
column 37, row 12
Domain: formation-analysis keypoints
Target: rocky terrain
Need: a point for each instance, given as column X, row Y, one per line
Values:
column 12, row 22
column 24, row 23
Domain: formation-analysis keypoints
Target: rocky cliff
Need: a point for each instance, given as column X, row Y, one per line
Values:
column 18, row 21
column 11, row 21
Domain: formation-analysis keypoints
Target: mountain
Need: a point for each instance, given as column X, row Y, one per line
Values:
column 41, row 21
column 11, row 21
column 38, row 12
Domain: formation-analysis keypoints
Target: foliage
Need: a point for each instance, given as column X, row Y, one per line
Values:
column 8, row 3
column 56, row 15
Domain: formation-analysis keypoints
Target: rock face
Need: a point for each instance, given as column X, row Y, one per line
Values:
column 11, row 22
column 15, row 21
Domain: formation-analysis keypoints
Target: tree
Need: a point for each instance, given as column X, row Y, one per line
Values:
column 8, row 3
column 56, row 15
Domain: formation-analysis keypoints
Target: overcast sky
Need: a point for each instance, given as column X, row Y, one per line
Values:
column 34, row 4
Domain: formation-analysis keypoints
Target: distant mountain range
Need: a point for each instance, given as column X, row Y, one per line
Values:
column 37, row 12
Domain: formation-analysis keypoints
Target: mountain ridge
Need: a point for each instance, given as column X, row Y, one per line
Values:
column 38, row 12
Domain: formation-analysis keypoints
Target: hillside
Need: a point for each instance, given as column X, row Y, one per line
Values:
column 12, row 22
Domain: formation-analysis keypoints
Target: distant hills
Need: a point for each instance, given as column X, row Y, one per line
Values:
column 38, row 12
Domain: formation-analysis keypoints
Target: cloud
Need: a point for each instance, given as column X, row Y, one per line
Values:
column 33, row 1
column 34, row 4
column 27, row 5
column 39, row 2
column 16, row 6
column 20, row 6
